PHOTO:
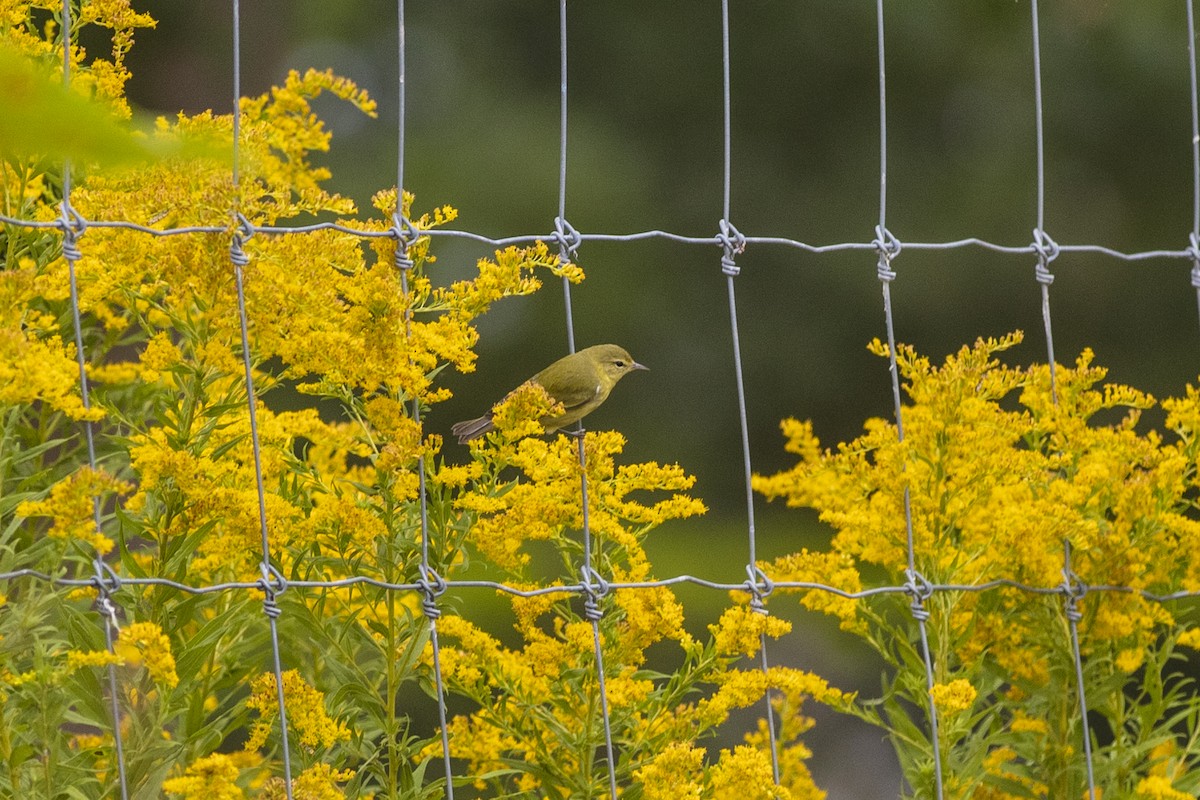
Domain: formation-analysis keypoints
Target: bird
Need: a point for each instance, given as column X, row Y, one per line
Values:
column 580, row 381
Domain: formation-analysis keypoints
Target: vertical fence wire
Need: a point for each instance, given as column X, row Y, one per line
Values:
column 1045, row 247
column 1194, row 236
column 593, row 584
column 888, row 247
column 432, row 584
column 733, row 243
column 272, row 582
column 1073, row 590
column 105, row 580
column 1047, row 250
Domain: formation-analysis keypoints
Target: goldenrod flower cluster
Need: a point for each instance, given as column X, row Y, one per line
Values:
column 539, row 703
column 1006, row 473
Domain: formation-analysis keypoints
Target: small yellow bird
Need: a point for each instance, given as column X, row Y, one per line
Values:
column 580, row 381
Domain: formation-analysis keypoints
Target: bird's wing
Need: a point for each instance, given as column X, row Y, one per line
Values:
column 573, row 397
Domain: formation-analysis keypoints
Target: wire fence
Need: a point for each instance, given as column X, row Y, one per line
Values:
column 593, row 587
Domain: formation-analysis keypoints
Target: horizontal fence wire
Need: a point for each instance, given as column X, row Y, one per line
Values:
column 729, row 242
column 1189, row 253
column 763, row 587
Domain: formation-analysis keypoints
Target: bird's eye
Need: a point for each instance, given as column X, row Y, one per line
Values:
column 620, row 364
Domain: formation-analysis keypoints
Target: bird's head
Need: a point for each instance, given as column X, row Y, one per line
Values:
column 612, row 362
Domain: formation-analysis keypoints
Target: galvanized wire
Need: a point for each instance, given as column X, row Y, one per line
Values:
column 1194, row 236
column 272, row 583
column 888, row 247
column 592, row 583
column 73, row 226
column 582, row 589
column 1047, row 251
column 432, row 584
column 732, row 243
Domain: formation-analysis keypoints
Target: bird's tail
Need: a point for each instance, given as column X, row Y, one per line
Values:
column 472, row 428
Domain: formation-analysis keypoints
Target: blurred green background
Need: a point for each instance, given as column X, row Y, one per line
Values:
column 645, row 148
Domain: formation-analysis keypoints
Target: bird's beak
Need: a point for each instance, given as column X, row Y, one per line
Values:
column 640, row 366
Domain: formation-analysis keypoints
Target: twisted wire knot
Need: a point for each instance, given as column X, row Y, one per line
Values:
column 106, row 582
column 760, row 586
column 732, row 242
column 1073, row 589
column 272, row 583
column 405, row 233
column 241, row 234
column 594, row 590
column 73, row 226
column 1193, row 250
column 568, row 239
column 1046, row 250
column 432, row 587
column 921, row 590
column 888, row 247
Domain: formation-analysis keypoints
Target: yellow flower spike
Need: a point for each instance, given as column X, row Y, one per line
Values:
column 320, row 782
column 144, row 643
column 212, row 777
column 305, row 708
column 1189, row 638
column 738, row 631
column 1158, row 787
column 578, row 635
column 70, row 506
column 831, row 569
column 92, row 658
column 482, row 745
column 651, row 615
column 41, row 370
column 529, row 609
column 457, row 476
column 625, row 691
column 954, row 697
column 744, row 773
column 1021, row 723
column 1130, row 660
column 675, row 773
column 516, row 416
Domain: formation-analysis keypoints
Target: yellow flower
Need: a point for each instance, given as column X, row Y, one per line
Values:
column 836, row 570
column 1025, row 724
column 213, row 777
column 319, row 782
column 954, row 697
column 70, row 505
column 745, row 773
column 90, row 741
column 1190, row 638
column 675, row 773
column 92, row 658
column 159, row 355
column 454, row 476
column 1157, row 787
column 305, row 708
column 1130, row 660
column 145, row 643
column 795, row 683
column 482, row 745
column 517, row 415
column 740, row 629
column 626, row 691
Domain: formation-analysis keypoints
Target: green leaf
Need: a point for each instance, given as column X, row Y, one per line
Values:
column 42, row 118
